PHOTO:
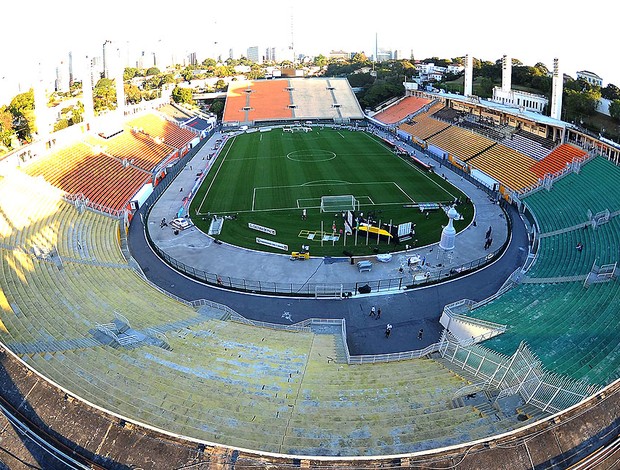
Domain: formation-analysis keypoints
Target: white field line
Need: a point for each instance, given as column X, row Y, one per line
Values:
column 418, row 170
column 401, row 190
column 215, row 176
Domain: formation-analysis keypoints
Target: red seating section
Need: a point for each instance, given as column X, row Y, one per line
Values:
column 401, row 110
column 158, row 127
column 557, row 160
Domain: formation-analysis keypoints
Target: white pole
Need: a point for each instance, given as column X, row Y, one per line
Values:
column 390, row 238
column 367, row 232
column 357, row 229
column 345, row 238
column 378, row 232
column 321, row 233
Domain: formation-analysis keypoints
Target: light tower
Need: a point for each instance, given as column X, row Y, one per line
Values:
column 556, row 90
column 87, row 91
column 42, row 114
column 469, row 73
column 506, row 73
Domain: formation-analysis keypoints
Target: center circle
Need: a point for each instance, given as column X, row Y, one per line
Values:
column 306, row 156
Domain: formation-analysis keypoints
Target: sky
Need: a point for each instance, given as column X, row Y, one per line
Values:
column 43, row 31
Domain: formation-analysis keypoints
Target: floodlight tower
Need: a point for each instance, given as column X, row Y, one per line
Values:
column 506, row 73
column 292, row 46
column 556, row 90
column 469, row 72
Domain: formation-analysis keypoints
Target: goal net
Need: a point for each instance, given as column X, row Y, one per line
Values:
column 338, row 203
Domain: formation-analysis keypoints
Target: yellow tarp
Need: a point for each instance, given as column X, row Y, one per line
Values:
column 375, row 230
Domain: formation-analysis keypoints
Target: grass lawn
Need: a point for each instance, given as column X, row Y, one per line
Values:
column 268, row 178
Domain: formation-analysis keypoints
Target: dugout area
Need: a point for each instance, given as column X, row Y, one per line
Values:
column 280, row 181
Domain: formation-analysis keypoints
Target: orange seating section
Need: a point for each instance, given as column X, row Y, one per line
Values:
column 236, row 100
column 102, row 179
column 156, row 126
column 557, row 160
column 509, row 167
column 423, row 127
column 461, row 143
column 138, row 148
column 402, row 109
column 269, row 100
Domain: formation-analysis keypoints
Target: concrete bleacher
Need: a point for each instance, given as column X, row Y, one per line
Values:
column 594, row 188
column 558, row 256
column 570, row 327
column 269, row 100
column 287, row 99
column 558, row 159
column 423, row 125
column 509, row 167
column 236, row 101
column 103, row 180
column 460, row 143
column 164, row 130
column 401, row 109
column 529, row 144
column 312, row 99
column 139, row 149
column 273, row 390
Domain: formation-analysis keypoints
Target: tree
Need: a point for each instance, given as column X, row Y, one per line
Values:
column 132, row 94
column 614, row 110
column 130, row 72
column 187, row 74
column 209, row 63
column 182, row 95
column 320, row 60
column 221, row 85
column 6, row 126
column 152, row 71
column 486, row 87
column 611, row 92
column 104, row 95
column 217, row 108
column 22, row 109
column 360, row 57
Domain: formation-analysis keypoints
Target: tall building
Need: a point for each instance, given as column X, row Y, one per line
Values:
column 520, row 99
column 254, row 54
column 42, row 113
column 87, row 89
column 71, row 76
column 61, row 84
column 590, row 77
column 110, row 58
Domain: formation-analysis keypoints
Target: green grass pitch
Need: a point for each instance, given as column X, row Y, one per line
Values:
column 268, row 178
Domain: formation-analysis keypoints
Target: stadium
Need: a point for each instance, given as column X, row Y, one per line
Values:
column 133, row 338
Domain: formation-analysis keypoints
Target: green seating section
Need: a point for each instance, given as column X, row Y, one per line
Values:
column 558, row 256
column 571, row 328
column 594, row 188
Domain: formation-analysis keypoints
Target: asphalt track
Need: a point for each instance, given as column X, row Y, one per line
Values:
column 408, row 312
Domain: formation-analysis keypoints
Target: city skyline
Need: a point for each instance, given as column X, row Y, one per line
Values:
column 532, row 32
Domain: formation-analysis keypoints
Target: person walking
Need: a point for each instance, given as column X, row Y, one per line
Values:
column 420, row 333
column 378, row 313
column 388, row 330
column 372, row 311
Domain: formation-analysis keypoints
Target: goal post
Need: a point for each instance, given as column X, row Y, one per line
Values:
column 338, row 203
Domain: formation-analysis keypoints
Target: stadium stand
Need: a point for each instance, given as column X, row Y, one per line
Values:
column 236, row 100
column 175, row 112
column 558, row 255
column 567, row 204
column 557, row 160
column 423, row 125
column 509, row 167
column 460, row 143
column 101, row 179
column 529, row 144
column 164, row 130
column 269, row 100
column 287, row 99
column 313, row 99
column 137, row 148
column 401, row 109
column 566, row 324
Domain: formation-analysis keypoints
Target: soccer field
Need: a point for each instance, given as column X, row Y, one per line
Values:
column 269, row 178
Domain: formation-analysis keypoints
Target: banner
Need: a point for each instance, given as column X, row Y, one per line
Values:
column 279, row 246
column 260, row 228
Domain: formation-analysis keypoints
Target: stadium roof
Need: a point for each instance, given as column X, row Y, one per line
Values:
column 530, row 115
